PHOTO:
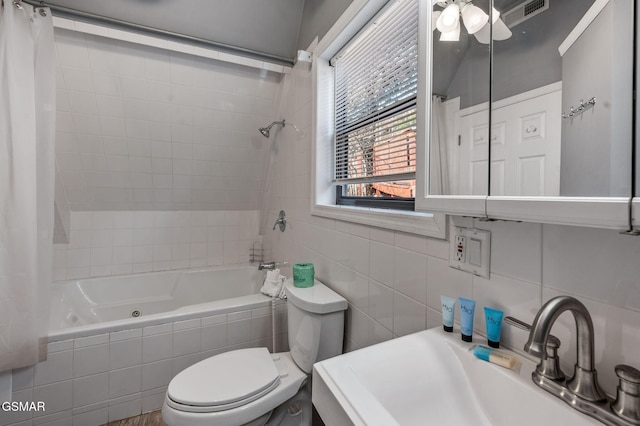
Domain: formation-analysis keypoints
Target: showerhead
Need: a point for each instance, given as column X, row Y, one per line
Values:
column 265, row 130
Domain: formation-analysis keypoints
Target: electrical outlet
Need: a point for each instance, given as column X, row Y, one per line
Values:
column 461, row 244
column 470, row 250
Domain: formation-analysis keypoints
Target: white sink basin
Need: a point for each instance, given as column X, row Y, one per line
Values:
column 432, row 378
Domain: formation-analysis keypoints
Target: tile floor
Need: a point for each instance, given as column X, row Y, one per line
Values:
column 148, row 419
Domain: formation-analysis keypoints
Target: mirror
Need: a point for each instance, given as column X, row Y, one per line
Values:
column 460, row 82
column 561, row 98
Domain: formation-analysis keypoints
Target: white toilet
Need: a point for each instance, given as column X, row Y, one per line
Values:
column 242, row 387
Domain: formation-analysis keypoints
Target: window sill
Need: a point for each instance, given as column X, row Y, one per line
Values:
column 426, row 224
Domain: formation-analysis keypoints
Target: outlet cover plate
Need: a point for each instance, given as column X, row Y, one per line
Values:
column 477, row 251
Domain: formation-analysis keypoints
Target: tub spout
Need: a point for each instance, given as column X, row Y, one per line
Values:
column 270, row 265
column 584, row 382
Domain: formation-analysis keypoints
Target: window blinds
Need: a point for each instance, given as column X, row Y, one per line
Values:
column 375, row 99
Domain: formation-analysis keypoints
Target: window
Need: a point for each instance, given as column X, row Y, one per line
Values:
column 376, row 77
column 369, row 154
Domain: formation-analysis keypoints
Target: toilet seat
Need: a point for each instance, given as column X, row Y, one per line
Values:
column 225, row 381
column 291, row 378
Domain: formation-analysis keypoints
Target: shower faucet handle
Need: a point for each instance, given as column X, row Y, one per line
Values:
column 281, row 221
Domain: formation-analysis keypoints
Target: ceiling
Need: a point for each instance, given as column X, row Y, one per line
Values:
column 268, row 28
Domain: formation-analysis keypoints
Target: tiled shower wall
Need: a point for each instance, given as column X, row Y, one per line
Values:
column 393, row 280
column 121, row 242
column 145, row 128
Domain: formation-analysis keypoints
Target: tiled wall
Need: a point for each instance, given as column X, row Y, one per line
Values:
column 92, row 380
column 145, row 128
column 393, row 280
column 121, row 242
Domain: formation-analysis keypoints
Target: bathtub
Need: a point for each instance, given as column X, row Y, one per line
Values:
column 116, row 342
column 92, row 306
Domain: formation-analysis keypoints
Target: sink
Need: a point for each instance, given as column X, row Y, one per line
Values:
column 432, row 378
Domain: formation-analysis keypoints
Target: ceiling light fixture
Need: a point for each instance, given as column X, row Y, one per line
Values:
column 475, row 20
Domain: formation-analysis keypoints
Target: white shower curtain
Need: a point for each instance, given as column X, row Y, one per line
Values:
column 439, row 176
column 27, row 120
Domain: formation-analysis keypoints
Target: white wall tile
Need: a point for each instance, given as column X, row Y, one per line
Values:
column 127, row 408
column 409, row 316
column 125, row 382
column 90, row 389
column 186, row 342
column 95, row 417
column 596, row 263
column 156, row 374
column 157, row 347
column 90, row 360
column 125, row 353
column 56, row 397
column 124, row 92
column 57, row 367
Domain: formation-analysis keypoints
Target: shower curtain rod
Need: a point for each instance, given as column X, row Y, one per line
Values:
column 74, row 13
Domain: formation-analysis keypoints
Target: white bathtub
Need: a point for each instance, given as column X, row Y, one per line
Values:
column 93, row 306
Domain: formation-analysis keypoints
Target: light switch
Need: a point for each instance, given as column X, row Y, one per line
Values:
column 473, row 249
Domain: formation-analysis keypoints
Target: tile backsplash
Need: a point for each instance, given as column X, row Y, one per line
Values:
column 108, row 243
column 393, row 280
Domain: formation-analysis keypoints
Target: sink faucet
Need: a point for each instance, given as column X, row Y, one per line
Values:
column 584, row 382
column 581, row 391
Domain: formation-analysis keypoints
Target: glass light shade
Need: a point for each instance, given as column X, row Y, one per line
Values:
column 449, row 19
column 453, row 35
column 494, row 15
column 500, row 32
column 434, row 19
column 474, row 18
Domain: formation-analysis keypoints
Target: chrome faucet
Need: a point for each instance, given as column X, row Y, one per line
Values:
column 584, row 382
column 270, row 265
column 582, row 391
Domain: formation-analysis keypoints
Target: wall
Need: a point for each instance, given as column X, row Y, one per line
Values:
column 318, row 16
column 393, row 280
column 144, row 128
column 609, row 121
column 121, row 242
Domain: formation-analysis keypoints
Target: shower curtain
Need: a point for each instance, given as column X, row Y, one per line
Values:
column 27, row 119
column 439, row 176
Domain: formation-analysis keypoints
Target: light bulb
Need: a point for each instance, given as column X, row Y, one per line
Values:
column 448, row 19
column 453, row 35
column 474, row 18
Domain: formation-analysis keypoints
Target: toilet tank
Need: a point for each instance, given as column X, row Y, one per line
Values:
column 315, row 318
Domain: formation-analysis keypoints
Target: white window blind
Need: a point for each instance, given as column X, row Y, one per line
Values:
column 375, row 99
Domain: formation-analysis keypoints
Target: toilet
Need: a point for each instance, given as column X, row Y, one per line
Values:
column 243, row 387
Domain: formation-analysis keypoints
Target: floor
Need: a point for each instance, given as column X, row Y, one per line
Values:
column 149, row 419
column 155, row 419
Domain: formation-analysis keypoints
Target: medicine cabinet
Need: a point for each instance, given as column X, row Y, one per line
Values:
column 529, row 108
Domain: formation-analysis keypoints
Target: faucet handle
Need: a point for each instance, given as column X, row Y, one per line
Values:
column 627, row 402
column 549, row 366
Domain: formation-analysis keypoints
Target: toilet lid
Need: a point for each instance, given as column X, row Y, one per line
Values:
column 225, row 381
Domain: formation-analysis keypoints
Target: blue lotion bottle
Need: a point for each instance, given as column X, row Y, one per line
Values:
column 494, row 326
column 467, row 308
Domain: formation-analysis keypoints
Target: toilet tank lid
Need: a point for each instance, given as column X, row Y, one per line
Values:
column 318, row 298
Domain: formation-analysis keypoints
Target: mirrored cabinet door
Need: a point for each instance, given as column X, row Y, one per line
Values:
column 459, row 109
column 562, row 99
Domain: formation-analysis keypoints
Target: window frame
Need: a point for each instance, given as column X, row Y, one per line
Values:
column 323, row 190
